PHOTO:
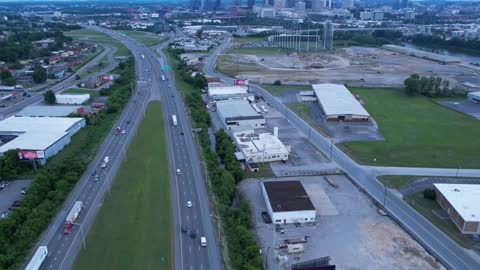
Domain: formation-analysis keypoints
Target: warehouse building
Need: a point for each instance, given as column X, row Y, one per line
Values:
column 239, row 112
column 50, row 111
column 228, row 92
column 256, row 148
column 462, row 203
column 474, row 96
column 74, row 99
column 287, row 202
column 44, row 135
column 338, row 104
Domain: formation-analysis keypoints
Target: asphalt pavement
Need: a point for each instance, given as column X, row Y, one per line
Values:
column 436, row 242
column 187, row 186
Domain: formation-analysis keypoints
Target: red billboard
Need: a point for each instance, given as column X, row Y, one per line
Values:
column 30, row 155
column 240, row 82
column 105, row 77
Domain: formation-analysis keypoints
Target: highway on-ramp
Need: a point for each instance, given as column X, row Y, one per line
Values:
column 435, row 241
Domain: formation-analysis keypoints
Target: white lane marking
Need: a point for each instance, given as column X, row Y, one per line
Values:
column 187, row 218
column 190, row 249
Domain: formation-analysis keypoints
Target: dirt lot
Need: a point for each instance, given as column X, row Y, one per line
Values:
column 356, row 66
column 349, row 230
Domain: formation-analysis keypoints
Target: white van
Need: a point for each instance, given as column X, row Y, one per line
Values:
column 203, row 241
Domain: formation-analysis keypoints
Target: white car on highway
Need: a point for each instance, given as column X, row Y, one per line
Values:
column 189, row 204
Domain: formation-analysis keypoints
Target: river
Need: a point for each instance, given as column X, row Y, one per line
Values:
column 463, row 56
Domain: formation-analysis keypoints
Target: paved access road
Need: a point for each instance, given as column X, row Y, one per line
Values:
column 437, row 243
column 65, row 83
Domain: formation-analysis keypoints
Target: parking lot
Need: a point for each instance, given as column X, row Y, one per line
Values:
column 348, row 229
column 12, row 192
column 463, row 106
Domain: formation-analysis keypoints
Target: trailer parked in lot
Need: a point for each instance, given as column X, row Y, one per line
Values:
column 38, row 258
column 72, row 217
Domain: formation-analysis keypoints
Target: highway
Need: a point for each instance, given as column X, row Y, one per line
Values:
column 189, row 185
column 436, row 242
column 65, row 83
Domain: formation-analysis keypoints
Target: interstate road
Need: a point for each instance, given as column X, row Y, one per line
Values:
column 183, row 154
column 435, row 241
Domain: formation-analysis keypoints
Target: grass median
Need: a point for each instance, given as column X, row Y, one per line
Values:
column 133, row 229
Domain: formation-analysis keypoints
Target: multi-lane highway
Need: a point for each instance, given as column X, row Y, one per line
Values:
column 436, row 242
column 63, row 85
column 186, row 186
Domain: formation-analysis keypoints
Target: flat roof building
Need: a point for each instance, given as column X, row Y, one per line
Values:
column 257, row 148
column 287, row 202
column 239, row 112
column 228, row 92
column 46, row 135
column 49, row 111
column 462, row 203
column 338, row 104
column 76, row 99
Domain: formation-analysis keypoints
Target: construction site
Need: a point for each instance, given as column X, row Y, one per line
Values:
column 354, row 66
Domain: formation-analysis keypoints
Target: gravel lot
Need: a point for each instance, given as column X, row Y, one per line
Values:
column 349, row 230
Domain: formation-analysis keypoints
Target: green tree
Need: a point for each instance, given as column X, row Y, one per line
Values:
column 7, row 78
column 277, row 82
column 77, row 77
column 49, row 97
column 39, row 75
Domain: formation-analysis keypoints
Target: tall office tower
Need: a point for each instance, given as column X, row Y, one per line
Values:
column 250, row 3
column 278, row 4
column 318, row 5
column 404, row 3
column 195, row 4
column 218, row 4
column 202, row 5
column 327, row 4
column 328, row 35
column 348, row 4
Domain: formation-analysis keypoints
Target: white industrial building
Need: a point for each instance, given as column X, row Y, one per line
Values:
column 76, row 99
column 228, row 92
column 239, row 112
column 256, row 148
column 338, row 104
column 474, row 96
column 287, row 202
column 462, row 204
column 45, row 135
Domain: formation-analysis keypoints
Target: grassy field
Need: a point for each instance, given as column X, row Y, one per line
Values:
column 425, row 208
column 184, row 87
column 145, row 38
column 93, row 93
column 400, row 181
column 243, row 40
column 265, row 172
column 133, row 229
column 418, row 133
column 98, row 37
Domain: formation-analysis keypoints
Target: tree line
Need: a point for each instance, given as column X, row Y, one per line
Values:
column 242, row 248
column 454, row 43
column 427, row 86
column 52, row 184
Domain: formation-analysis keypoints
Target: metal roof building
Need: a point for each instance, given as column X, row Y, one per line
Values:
column 287, row 202
column 228, row 92
column 72, row 98
column 239, row 112
column 263, row 147
column 46, row 135
column 48, row 111
column 462, row 203
column 338, row 104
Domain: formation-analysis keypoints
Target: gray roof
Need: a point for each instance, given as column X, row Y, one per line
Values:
column 50, row 111
column 335, row 99
column 236, row 108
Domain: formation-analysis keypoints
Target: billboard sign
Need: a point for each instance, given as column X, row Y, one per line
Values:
column 30, row 155
column 241, row 82
column 106, row 77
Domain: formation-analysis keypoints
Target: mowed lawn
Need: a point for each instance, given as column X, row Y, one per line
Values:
column 418, row 133
column 133, row 229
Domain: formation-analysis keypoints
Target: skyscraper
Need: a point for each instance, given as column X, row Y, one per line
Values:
column 278, row 4
column 328, row 35
column 348, row 4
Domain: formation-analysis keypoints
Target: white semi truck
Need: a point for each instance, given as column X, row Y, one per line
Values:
column 38, row 258
column 72, row 217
